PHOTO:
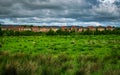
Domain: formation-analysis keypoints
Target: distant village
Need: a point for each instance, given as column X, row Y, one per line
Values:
column 55, row 28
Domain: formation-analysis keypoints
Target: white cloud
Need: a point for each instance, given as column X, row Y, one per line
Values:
column 107, row 1
column 38, row 19
column 43, row 21
column 107, row 7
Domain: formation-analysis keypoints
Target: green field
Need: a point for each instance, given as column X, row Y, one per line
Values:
column 60, row 55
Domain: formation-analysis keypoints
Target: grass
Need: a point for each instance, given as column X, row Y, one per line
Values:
column 60, row 55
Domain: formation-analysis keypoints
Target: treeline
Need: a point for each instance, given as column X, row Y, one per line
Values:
column 116, row 31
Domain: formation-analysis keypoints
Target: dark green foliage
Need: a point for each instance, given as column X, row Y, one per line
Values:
column 51, row 32
column 0, row 45
column 1, row 32
column 17, row 33
column 9, row 70
column 59, row 32
column 10, row 32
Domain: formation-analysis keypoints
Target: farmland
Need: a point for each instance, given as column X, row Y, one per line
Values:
column 60, row 55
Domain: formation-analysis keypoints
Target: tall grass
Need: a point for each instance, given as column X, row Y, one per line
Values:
column 60, row 55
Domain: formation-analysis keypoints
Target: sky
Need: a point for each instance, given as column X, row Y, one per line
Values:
column 60, row 12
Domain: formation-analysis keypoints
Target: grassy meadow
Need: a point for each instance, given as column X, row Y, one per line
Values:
column 60, row 55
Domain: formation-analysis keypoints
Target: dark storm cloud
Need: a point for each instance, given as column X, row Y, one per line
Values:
column 25, row 8
column 41, row 7
column 79, row 10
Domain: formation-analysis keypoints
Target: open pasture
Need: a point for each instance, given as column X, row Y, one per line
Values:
column 60, row 55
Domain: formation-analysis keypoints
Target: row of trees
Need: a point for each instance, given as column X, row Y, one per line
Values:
column 116, row 31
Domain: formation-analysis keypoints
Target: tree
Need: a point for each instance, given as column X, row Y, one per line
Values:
column 16, row 33
column 9, row 33
column 1, row 30
column 51, row 32
column 59, row 32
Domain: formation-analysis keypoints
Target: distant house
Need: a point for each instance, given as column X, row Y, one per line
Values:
column 16, row 28
column 54, row 29
column 35, row 29
column 80, row 29
column 73, row 28
column 4, row 28
column 64, row 28
column 109, row 28
column 19, row 28
column 100, row 28
column 91, row 28
column 44, row 29
column 22, row 28
column 85, row 29
column 11, row 27
column 27, row 29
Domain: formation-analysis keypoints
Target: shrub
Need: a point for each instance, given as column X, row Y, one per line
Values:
column 80, row 72
column 0, row 45
column 111, row 72
column 63, row 58
column 9, row 70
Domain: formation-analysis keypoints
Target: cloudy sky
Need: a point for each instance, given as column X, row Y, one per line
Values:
column 60, row 12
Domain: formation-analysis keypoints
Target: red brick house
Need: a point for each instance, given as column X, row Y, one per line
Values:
column 35, row 29
column 109, row 28
column 100, row 28
column 11, row 27
column 80, row 29
column 4, row 28
column 27, row 29
column 64, row 28
column 54, row 29
column 85, row 29
column 73, row 28
column 19, row 28
column 44, row 29
column 91, row 28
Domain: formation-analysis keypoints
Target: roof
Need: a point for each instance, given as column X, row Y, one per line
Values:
column 108, row 27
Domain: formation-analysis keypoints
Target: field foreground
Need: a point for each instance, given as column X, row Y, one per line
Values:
column 60, row 55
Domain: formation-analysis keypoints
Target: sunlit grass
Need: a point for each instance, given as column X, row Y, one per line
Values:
column 60, row 55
